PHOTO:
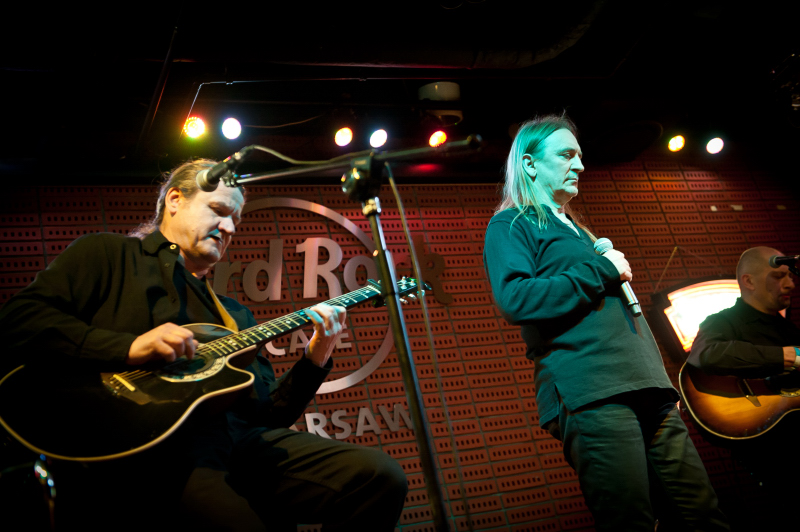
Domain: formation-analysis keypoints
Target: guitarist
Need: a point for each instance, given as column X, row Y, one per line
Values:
column 114, row 299
column 752, row 340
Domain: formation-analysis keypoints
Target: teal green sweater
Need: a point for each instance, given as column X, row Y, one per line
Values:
column 583, row 340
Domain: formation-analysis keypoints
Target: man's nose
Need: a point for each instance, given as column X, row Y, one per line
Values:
column 227, row 226
column 577, row 165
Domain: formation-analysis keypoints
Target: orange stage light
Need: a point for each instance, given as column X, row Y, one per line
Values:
column 343, row 137
column 194, row 127
column 676, row 143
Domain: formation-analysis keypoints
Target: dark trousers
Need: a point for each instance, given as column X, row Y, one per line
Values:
column 636, row 464
column 277, row 479
column 271, row 480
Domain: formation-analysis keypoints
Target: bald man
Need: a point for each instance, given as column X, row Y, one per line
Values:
column 752, row 340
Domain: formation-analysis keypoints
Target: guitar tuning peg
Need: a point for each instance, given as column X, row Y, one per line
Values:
column 403, row 301
column 412, row 297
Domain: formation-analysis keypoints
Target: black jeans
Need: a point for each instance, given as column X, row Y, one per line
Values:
column 261, row 480
column 636, row 463
column 279, row 478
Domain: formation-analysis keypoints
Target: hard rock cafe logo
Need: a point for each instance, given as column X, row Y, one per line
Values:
column 432, row 266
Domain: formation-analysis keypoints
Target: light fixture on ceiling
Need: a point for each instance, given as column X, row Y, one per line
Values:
column 194, row 127
column 343, row 136
column 676, row 143
column 231, row 128
column 378, row 138
column 437, row 139
column 715, row 145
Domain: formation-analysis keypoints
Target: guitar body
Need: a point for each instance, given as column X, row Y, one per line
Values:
column 92, row 416
column 734, row 408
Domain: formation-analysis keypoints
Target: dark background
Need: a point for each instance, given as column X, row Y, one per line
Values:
column 84, row 101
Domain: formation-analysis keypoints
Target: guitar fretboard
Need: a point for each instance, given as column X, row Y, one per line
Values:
column 279, row 326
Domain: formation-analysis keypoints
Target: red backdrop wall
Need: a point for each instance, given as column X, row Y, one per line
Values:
column 514, row 474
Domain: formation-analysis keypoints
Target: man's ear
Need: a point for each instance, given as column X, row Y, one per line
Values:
column 529, row 165
column 747, row 282
column 173, row 200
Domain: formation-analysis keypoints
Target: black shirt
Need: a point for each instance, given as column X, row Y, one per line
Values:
column 105, row 290
column 743, row 341
column 583, row 340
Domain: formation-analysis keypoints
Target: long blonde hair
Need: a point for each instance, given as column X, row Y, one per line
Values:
column 518, row 191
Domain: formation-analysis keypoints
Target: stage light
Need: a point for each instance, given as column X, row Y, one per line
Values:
column 378, row 138
column 715, row 145
column 437, row 139
column 343, row 137
column 231, row 128
column 194, row 127
column 676, row 143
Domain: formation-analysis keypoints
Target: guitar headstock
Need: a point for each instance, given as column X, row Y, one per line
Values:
column 406, row 286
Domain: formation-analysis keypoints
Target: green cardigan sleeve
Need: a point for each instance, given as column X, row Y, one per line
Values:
column 520, row 293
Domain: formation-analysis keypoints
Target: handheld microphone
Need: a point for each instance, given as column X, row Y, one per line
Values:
column 600, row 247
column 208, row 179
column 776, row 261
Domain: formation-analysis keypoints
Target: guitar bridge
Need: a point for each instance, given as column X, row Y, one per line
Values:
column 123, row 385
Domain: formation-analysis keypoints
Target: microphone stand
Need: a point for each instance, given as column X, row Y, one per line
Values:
column 362, row 183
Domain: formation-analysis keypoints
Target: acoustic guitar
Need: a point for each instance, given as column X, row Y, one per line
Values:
column 87, row 416
column 735, row 408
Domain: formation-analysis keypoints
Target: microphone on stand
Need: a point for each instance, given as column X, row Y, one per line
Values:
column 208, row 179
column 602, row 245
column 776, row 261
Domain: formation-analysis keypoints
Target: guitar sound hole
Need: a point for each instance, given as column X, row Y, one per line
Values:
column 183, row 366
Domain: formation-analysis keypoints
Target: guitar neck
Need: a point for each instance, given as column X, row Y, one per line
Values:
column 290, row 322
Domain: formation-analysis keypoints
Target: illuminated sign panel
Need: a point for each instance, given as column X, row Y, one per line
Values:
column 690, row 305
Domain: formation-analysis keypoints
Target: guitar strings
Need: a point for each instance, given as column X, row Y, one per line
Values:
column 226, row 345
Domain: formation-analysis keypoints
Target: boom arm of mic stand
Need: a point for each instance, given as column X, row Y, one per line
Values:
column 471, row 143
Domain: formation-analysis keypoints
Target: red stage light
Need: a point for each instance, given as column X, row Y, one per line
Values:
column 437, row 139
